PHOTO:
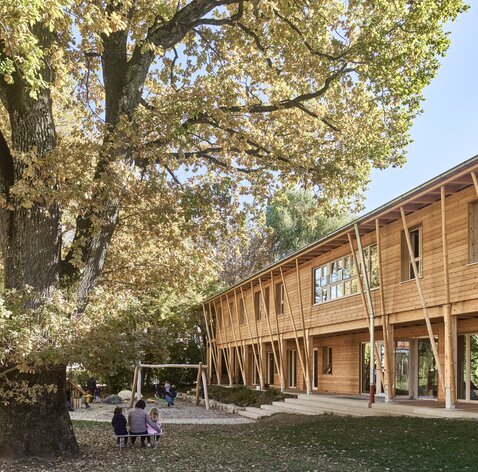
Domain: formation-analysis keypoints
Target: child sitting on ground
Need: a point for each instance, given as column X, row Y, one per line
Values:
column 119, row 425
column 154, row 415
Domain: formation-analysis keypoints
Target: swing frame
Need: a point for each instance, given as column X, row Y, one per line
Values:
column 201, row 368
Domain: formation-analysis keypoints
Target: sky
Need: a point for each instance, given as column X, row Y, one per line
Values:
column 446, row 133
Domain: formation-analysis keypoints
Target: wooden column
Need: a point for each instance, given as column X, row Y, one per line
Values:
column 305, row 337
column 211, row 349
column 259, row 342
column 198, row 382
column 450, row 391
column 238, row 353
column 289, row 306
column 224, row 343
column 133, row 387
column 388, row 376
column 215, row 335
column 422, row 300
column 364, row 302
column 279, row 344
column 206, row 393
column 276, row 360
column 371, row 315
column 139, row 380
column 255, row 354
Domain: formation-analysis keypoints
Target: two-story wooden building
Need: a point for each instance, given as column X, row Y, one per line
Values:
column 306, row 321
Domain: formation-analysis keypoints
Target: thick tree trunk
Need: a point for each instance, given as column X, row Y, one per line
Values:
column 32, row 246
column 41, row 429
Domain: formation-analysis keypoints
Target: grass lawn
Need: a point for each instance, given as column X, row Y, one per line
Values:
column 283, row 443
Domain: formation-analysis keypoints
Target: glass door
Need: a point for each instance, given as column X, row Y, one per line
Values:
column 467, row 367
column 402, row 364
column 365, row 368
column 427, row 370
column 270, row 368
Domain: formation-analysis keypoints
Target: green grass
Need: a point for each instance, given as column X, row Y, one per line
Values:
column 284, row 443
column 245, row 396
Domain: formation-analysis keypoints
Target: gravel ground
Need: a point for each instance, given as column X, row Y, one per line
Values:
column 182, row 412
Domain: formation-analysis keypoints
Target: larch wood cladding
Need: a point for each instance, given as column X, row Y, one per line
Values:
column 401, row 298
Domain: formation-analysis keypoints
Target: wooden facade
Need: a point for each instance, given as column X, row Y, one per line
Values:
column 305, row 322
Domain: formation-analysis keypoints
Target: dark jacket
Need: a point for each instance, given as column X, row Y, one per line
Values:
column 119, row 424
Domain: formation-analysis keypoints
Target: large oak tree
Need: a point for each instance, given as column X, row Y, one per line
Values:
column 155, row 117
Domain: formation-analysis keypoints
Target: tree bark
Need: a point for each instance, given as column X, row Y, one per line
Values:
column 42, row 429
column 32, row 246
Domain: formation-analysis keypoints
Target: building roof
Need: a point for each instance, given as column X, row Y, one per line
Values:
column 454, row 180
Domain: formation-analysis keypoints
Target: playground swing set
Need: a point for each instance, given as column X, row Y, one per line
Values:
column 201, row 377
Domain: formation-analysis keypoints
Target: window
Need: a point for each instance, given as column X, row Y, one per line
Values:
column 279, row 299
column 315, row 369
column 230, row 314
column 270, row 368
column 292, row 368
column 473, row 232
column 242, row 311
column 342, row 280
column 259, row 305
column 406, row 263
column 327, row 360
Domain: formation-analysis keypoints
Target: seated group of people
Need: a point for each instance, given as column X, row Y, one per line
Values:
column 165, row 391
column 140, row 424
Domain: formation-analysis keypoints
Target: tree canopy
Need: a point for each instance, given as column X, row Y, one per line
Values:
column 137, row 136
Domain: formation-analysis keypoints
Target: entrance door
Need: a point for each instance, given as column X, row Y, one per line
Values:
column 270, row 368
column 467, row 367
column 427, row 370
column 402, row 364
column 315, row 369
column 365, row 368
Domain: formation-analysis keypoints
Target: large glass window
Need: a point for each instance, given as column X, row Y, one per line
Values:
column 338, row 278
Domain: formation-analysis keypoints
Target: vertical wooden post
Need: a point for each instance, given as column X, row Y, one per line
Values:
column 138, row 383
column 214, row 346
column 206, row 393
column 386, row 341
column 422, row 300
column 259, row 344
column 364, row 303
column 223, row 341
column 305, row 337
column 198, row 382
column 133, row 387
column 211, row 352
column 371, row 315
column 241, row 341
column 276, row 360
column 450, row 393
column 279, row 344
column 289, row 305
column 239, row 358
column 256, row 360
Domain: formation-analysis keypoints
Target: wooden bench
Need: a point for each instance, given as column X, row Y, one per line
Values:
column 120, row 436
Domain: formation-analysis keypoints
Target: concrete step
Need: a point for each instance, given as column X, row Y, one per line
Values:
column 336, row 409
column 249, row 414
column 298, row 410
column 260, row 411
column 335, row 400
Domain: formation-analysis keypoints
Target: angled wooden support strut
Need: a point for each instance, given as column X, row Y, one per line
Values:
column 289, row 306
column 422, row 300
column 276, row 360
column 279, row 343
column 255, row 354
column 305, row 337
column 238, row 353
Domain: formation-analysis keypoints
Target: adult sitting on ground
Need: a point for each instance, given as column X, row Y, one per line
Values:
column 138, row 419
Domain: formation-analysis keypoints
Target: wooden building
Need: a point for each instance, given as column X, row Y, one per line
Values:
column 305, row 322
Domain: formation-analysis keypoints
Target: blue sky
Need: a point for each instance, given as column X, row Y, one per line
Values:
column 446, row 133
